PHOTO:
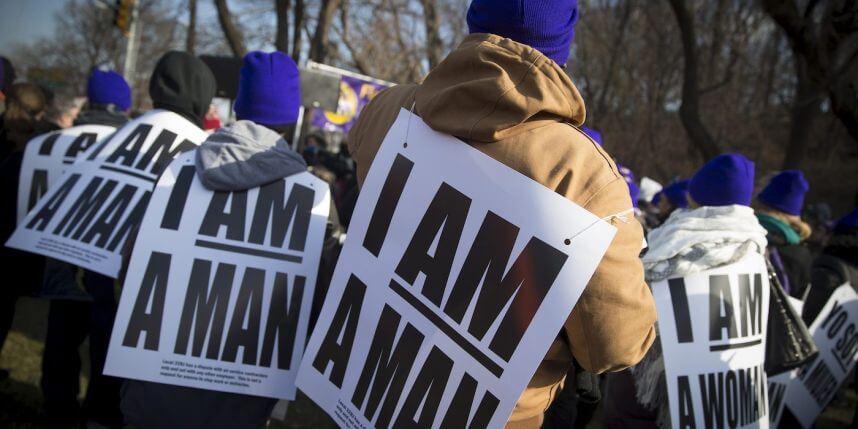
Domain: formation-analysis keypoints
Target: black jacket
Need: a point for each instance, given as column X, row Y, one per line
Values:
column 101, row 115
column 837, row 264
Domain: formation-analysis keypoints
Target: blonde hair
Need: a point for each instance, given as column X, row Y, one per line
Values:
column 24, row 102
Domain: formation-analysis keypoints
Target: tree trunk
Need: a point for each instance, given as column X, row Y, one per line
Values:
column 297, row 30
column 281, row 39
column 191, row 39
column 319, row 45
column 434, row 45
column 821, row 53
column 805, row 110
column 232, row 33
column 689, row 111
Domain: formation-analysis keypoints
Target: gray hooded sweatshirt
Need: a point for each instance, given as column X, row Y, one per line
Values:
column 245, row 155
column 241, row 156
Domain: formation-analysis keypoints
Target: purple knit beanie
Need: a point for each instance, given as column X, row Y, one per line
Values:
column 785, row 192
column 545, row 25
column 677, row 193
column 725, row 180
column 269, row 92
column 108, row 87
column 595, row 135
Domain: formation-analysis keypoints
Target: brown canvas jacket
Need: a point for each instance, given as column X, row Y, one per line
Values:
column 512, row 103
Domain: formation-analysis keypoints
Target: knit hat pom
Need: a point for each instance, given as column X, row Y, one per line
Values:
column 725, row 180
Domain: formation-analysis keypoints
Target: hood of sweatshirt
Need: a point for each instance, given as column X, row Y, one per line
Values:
column 491, row 88
column 245, row 155
column 101, row 116
column 183, row 84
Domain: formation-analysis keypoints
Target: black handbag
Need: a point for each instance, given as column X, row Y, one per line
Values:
column 789, row 344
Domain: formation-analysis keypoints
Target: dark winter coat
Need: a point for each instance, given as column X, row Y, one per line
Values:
column 837, row 264
column 23, row 270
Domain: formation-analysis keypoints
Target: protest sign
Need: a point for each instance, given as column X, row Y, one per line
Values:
column 835, row 332
column 355, row 94
column 779, row 383
column 47, row 156
column 457, row 274
column 220, row 284
column 714, row 359
column 85, row 218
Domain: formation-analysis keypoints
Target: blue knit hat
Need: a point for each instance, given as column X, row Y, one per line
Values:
column 108, row 87
column 269, row 92
column 595, row 135
column 785, row 192
column 725, row 180
column 545, row 25
column 850, row 220
column 676, row 193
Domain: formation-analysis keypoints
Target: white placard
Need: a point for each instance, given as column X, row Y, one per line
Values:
column 779, row 383
column 48, row 155
column 712, row 327
column 220, row 285
column 457, row 274
column 85, row 218
column 835, row 332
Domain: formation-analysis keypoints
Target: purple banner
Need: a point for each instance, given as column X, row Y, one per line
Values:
column 355, row 93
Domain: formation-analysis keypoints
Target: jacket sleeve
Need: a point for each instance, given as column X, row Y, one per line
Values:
column 613, row 324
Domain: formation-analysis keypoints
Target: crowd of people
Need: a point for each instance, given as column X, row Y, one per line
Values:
column 505, row 91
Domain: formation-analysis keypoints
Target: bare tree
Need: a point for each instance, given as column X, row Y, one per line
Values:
column 281, row 39
column 689, row 111
column 230, row 30
column 297, row 30
column 319, row 45
column 434, row 45
column 824, row 42
column 190, row 39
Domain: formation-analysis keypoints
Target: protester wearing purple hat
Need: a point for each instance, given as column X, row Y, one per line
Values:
column 779, row 207
column 504, row 91
column 241, row 156
column 672, row 197
column 716, row 230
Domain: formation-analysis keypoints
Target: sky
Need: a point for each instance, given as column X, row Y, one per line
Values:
column 24, row 20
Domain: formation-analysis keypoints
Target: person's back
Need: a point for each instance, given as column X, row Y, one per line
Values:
column 836, row 265
column 82, row 303
column 517, row 105
column 779, row 208
column 717, row 229
column 244, row 155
